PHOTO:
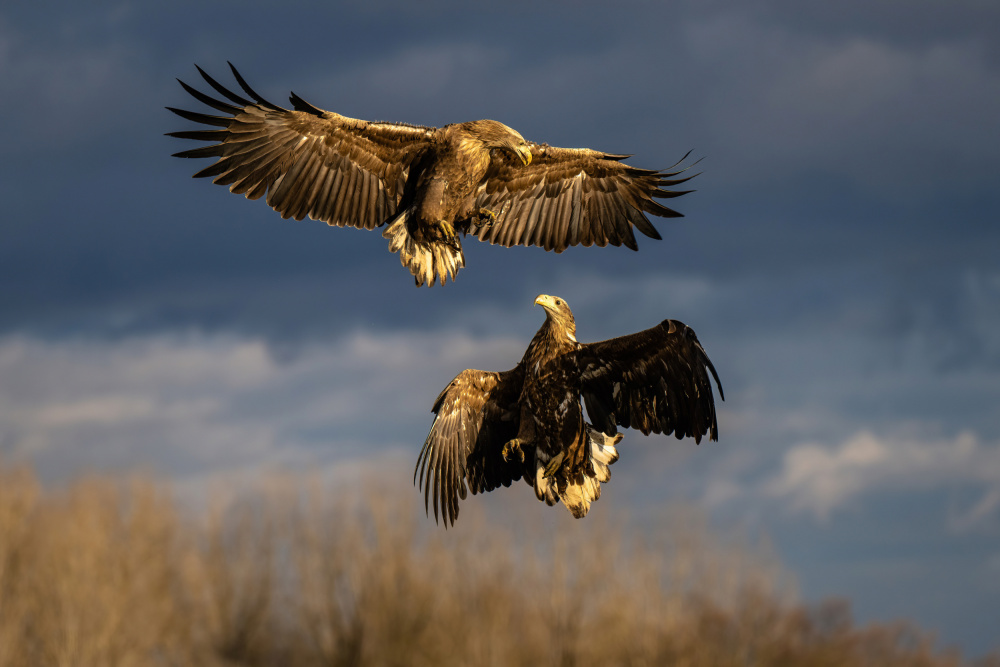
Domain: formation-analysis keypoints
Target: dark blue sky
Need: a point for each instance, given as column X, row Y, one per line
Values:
column 840, row 260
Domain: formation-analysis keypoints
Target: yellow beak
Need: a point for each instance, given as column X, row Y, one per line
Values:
column 525, row 154
column 544, row 300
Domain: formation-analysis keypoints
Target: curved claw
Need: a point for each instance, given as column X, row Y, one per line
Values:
column 486, row 213
column 449, row 236
column 554, row 464
column 512, row 447
column 485, row 219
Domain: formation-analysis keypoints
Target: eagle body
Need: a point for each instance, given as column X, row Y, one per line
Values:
column 551, row 415
column 493, row 428
column 427, row 186
column 456, row 162
column 445, row 182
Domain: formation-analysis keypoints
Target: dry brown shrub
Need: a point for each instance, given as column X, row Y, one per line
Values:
column 91, row 573
column 112, row 572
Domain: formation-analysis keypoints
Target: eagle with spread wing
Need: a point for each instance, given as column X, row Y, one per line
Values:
column 492, row 429
column 426, row 184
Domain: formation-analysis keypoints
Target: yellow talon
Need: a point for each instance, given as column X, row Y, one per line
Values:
column 511, row 447
column 487, row 218
column 554, row 464
column 449, row 231
column 449, row 237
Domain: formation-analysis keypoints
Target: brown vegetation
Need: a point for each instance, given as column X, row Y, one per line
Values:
column 110, row 572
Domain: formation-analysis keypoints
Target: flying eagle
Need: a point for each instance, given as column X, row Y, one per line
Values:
column 426, row 184
column 495, row 428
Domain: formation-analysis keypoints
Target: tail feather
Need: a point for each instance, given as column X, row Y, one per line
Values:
column 545, row 487
column 427, row 262
column 577, row 490
column 602, row 454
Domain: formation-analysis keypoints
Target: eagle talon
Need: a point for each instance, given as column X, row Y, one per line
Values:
column 510, row 448
column 553, row 465
column 449, row 236
column 487, row 217
column 447, row 230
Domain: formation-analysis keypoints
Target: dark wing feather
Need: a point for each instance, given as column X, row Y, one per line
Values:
column 570, row 196
column 476, row 415
column 310, row 162
column 656, row 381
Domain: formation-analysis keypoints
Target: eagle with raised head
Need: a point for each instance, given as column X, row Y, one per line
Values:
column 492, row 429
column 426, row 184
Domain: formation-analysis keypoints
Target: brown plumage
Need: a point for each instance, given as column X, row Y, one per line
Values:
column 427, row 184
column 494, row 428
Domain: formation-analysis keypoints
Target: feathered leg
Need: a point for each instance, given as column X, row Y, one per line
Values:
column 578, row 486
column 427, row 260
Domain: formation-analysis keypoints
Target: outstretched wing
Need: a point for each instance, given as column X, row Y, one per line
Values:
column 476, row 415
column 309, row 161
column 573, row 196
column 655, row 381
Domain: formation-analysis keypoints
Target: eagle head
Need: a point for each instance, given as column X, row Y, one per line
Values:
column 558, row 312
column 495, row 134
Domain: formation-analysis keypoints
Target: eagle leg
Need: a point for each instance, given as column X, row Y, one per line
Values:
column 448, row 235
column 486, row 218
column 512, row 447
column 553, row 465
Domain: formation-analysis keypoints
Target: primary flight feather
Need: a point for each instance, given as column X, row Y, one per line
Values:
column 427, row 185
column 492, row 429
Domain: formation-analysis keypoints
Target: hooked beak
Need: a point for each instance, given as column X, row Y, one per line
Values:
column 524, row 153
column 545, row 301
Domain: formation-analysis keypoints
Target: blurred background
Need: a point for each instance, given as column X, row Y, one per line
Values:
column 840, row 262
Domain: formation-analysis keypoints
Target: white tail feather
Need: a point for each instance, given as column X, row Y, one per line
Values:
column 426, row 262
column 545, row 487
column 579, row 492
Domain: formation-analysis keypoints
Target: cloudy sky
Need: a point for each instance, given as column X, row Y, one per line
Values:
column 840, row 260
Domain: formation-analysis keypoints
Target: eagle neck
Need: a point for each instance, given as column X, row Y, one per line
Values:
column 472, row 151
column 553, row 339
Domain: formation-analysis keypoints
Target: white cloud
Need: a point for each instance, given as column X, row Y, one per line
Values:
column 978, row 513
column 821, row 479
column 107, row 410
column 188, row 405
